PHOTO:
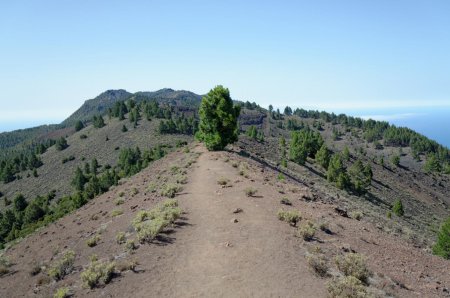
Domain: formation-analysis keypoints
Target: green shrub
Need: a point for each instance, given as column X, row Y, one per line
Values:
column 318, row 263
column 280, row 177
column 63, row 266
column 234, row 164
column 442, row 246
column 347, row 287
column 250, row 192
column 120, row 237
column 98, row 272
column 353, row 264
column 397, row 208
column 63, row 292
column 91, row 242
column 306, row 230
column 291, row 216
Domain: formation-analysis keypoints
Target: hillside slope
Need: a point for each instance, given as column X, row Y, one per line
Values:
column 103, row 144
column 106, row 100
column 213, row 251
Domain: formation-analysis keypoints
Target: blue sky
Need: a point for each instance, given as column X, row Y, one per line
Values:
column 332, row 55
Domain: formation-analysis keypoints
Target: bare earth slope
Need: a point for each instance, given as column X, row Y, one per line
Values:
column 212, row 251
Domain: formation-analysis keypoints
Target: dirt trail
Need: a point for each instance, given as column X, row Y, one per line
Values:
column 216, row 257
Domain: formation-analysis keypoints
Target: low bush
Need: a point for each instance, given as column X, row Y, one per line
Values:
column 358, row 215
column 149, row 224
column 97, row 273
column 91, row 242
column 250, row 192
column 353, row 264
column 170, row 190
column 306, row 230
column 126, row 265
column 280, row 177
column 148, row 231
column 35, row 269
column 291, row 216
column 223, row 181
column 119, row 201
column 63, row 292
column 62, row 267
column 319, row 264
column 4, row 265
column 120, row 237
column 347, row 287
column 130, row 245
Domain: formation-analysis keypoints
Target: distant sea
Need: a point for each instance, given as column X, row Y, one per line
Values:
column 433, row 122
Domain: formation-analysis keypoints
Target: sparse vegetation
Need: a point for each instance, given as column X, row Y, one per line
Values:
column 126, row 265
column 120, row 237
column 280, row 177
column 91, row 242
column 170, row 190
column 119, row 201
column 347, row 287
column 250, row 191
column 318, row 263
column 353, row 264
column 130, row 245
column 98, row 273
column 291, row 216
column 63, row 292
column 223, row 181
column 4, row 265
column 306, row 230
column 355, row 214
column 62, row 267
